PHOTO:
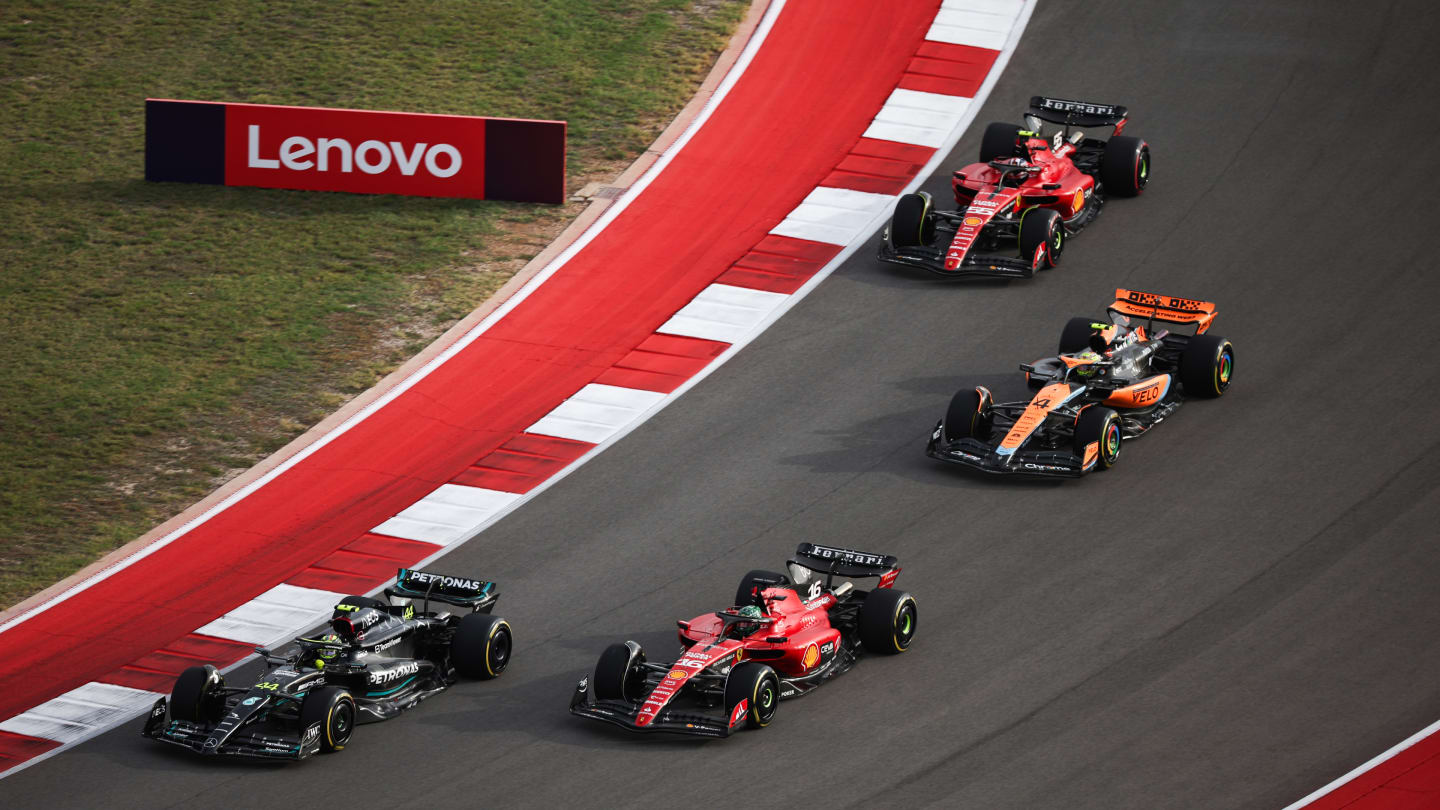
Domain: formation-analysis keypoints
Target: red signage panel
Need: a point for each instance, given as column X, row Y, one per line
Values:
column 321, row 149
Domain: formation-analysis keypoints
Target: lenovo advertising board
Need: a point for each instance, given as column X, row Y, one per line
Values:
column 361, row 151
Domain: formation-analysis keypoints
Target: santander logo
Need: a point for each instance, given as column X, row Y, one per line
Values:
column 301, row 154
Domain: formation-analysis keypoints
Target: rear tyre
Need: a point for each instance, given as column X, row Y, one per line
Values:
column 759, row 687
column 967, row 416
column 196, row 697
column 745, row 593
column 334, row 709
column 1075, row 337
column 887, row 621
column 1125, row 167
column 1206, row 366
column 998, row 142
column 618, row 675
column 1102, row 426
column 481, row 647
column 913, row 223
column 1042, row 229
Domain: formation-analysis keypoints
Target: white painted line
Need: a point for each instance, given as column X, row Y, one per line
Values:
column 596, row 413
column 277, row 615
column 447, row 515
column 980, row 24
column 724, row 313
column 1355, row 774
column 836, row 216
column 910, row 116
column 757, row 39
column 80, row 712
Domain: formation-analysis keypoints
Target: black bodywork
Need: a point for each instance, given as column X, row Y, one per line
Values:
column 388, row 656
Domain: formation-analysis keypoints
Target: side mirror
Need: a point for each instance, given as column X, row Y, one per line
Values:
column 777, row 639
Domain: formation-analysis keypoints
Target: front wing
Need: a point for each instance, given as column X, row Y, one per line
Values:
column 977, row 455
column 623, row 713
column 246, row 742
column 933, row 259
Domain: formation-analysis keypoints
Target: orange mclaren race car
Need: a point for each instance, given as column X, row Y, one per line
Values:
column 1111, row 381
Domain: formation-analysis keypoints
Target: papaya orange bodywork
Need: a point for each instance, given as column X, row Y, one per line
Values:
column 1049, row 398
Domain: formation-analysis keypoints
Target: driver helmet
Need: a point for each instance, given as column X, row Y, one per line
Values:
column 750, row 612
column 1090, row 367
column 329, row 653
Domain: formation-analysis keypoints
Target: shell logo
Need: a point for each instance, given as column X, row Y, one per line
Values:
column 973, row 222
column 811, row 657
column 1079, row 201
column 678, row 674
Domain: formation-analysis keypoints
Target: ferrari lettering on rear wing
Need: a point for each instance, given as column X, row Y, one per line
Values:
column 1077, row 113
column 1164, row 308
column 843, row 561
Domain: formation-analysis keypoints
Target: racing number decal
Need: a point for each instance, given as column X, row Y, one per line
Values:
column 815, row 589
column 267, row 686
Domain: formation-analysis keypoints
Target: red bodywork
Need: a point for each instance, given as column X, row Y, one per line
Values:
column 1058, row 185
column 810, row 640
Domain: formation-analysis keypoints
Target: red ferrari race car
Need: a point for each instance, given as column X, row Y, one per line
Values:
column 1029, row 189
column 1111, row 381
column 784, row 636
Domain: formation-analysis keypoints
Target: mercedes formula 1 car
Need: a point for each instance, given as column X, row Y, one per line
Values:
column 783, row 637
column 1030, row 190
column 1111, row 381
column 379, row 659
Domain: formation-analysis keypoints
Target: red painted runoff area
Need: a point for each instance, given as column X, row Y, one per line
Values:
column 1409, row 780
column 796, row 114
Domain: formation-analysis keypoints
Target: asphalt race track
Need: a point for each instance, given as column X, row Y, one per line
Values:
column 1236, row 614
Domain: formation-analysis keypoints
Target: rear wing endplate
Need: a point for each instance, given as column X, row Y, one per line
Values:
column 1164, row 308
column 1078, row 113
column 451, row 590
column 843, row 562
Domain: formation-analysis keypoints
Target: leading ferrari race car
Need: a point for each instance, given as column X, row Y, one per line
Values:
column 1029, row 189
column 378, row 660
column 784, row 636
column 1111, row 381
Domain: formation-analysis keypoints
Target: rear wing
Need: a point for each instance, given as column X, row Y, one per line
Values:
column 1078, row 113
column 1164, row 308
column 843, row 562
column 451, row 590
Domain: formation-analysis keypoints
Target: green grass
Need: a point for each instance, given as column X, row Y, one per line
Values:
column 158, row 338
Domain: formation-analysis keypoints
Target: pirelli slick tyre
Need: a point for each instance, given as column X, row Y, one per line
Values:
column 618, row 675
column 1042, row 229
column 196, row 697
column 334, row 709
column 888, row 620
column 758, row 687
column 968, row 416
column 1125, row 167
column 913, row 223
column 1100, row 425
column 745, row 593
column 1075, row 337
column 481, row 646
column 998, row 141
column 1206, row 365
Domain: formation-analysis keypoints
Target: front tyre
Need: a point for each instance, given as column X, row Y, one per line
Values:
column 1042, row 231
column 618, row 673
column 334, row 709
column 888, row 620
column 481, row 647
column 968, row 416
column 196, row 696
column 1206, row 366
column 913, row 223
column 1101, row 427
column 1125, row 167
column 758, row 688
